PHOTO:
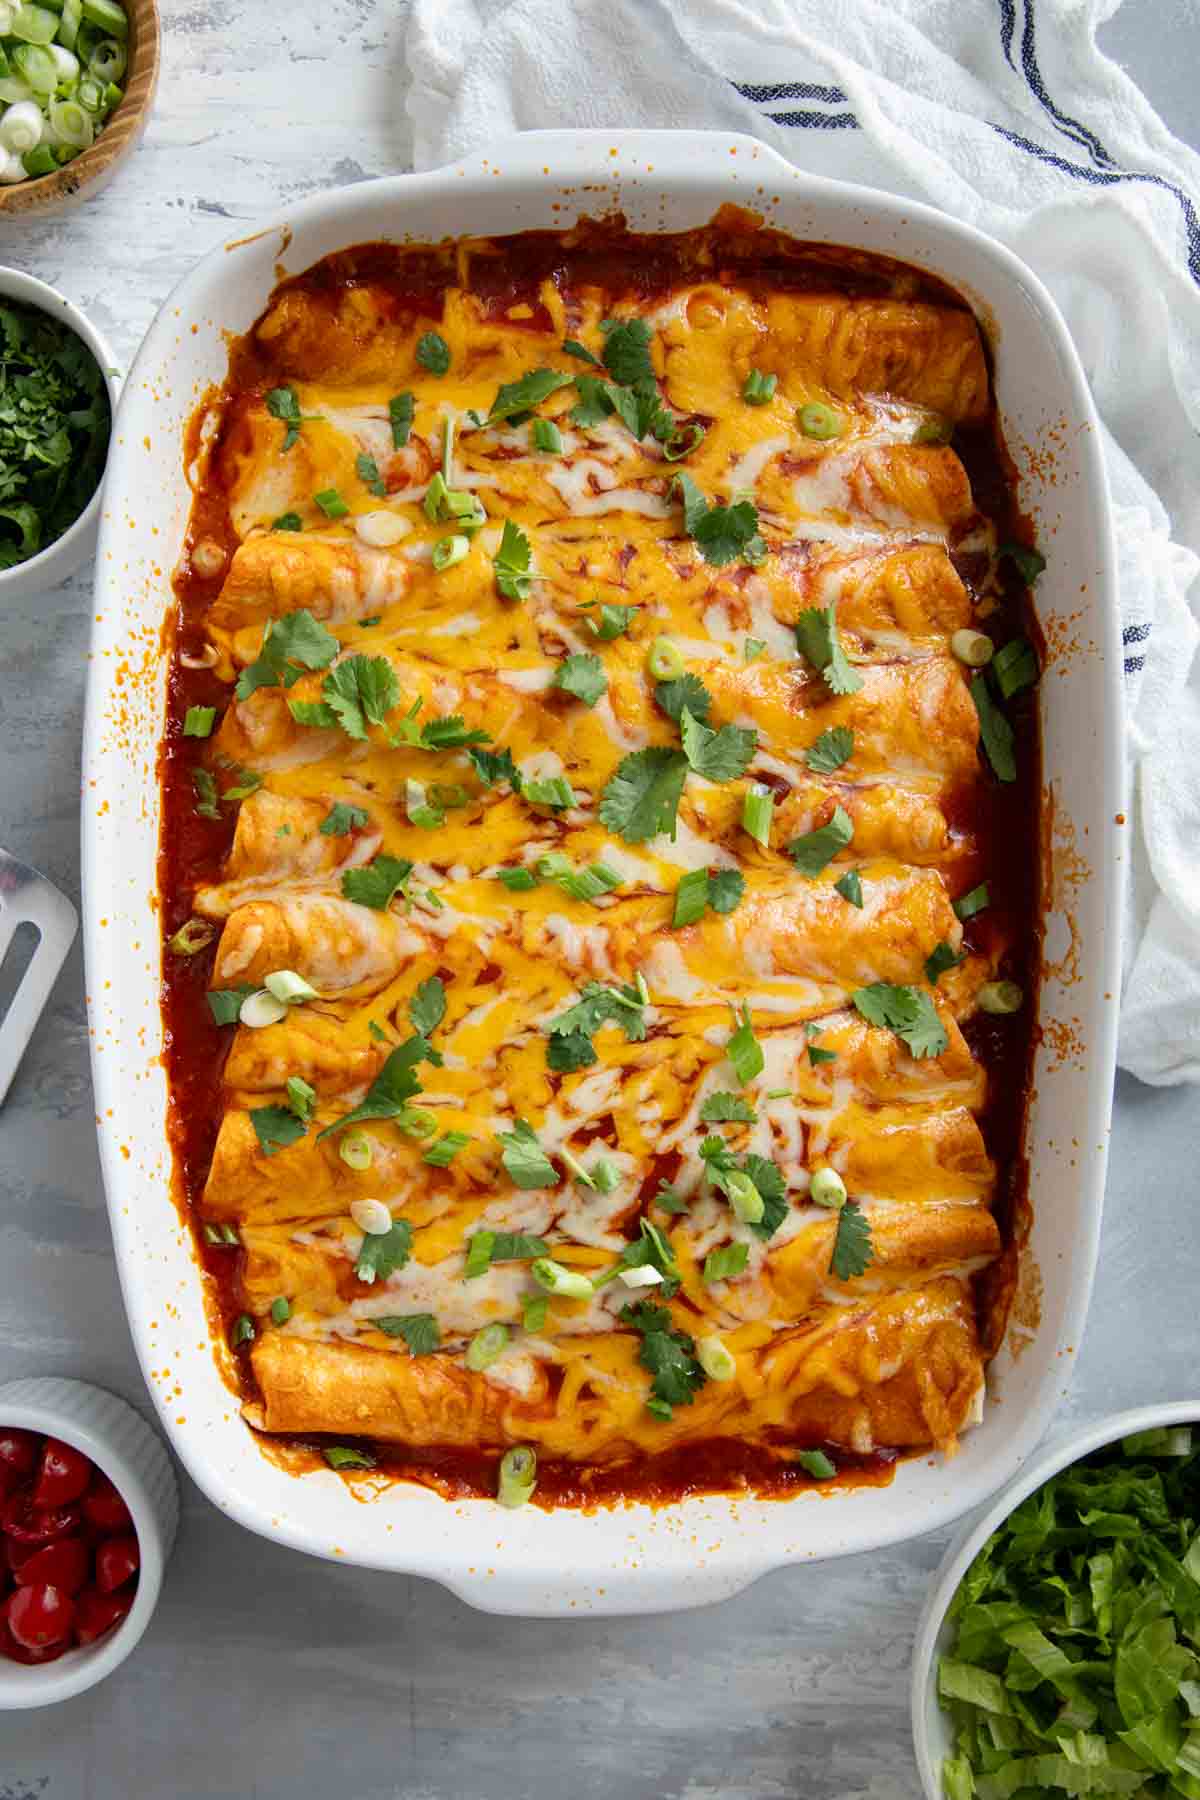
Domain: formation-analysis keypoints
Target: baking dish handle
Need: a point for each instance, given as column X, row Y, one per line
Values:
column 640, row 1588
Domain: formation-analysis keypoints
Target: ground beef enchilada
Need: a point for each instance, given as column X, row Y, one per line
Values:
column 598, row 864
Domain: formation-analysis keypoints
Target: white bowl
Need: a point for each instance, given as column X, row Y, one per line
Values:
column 133, row 1457
column 78, row 541
column 932, row 1736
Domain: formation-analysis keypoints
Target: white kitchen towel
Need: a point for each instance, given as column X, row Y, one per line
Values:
column 1009, row 116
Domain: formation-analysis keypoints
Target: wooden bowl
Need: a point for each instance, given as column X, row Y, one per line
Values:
column 44, row 195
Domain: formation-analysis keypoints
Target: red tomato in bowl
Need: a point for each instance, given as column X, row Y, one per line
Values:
column 30, row 1524
column 103, row 1507
column 96, row 1613
column 62, row 1475
column 39, row 1616
column 116, row 1560
column 65, row 1564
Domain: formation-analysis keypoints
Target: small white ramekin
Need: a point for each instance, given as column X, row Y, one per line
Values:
column 135, row 1460
column 932, row 1737
column 78, row 541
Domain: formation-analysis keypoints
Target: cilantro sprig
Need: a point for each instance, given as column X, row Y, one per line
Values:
column 669, row 1355
column 817, row 638
column 290, row 645
column 907, row 1011
column 722, row 534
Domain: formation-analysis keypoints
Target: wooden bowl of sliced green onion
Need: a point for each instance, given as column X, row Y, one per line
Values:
column 77, row 80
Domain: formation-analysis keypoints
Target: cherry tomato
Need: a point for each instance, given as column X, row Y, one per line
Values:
column 18, row 1449
column 15, row 1652
column 63, row 1474
column 15, row 1554
column 30, row 1524
column 39, row 1616
column 116, row 1560
column 96, row 1612
column 66, row 1565
column 103, row 1506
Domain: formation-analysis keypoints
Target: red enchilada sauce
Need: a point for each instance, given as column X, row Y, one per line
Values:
column 193, row 849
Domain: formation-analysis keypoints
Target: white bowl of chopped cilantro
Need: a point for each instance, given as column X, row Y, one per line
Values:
column 1059, row 1649
column 58, row 390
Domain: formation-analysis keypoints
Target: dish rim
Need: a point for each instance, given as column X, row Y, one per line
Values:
column 925, row 237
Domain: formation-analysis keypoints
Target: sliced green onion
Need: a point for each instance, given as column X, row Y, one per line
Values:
column 193, row 937
column 1015, row 667
column 13, row 89
column 744, row 1197
column 757, row 808
column 289, row 987
column 576, row 1168
column 372, row 1217
column 817, row 420
column 41, row 161
column 198, row 720
column 716, row 1361
column 967, row 905
column 546, row 437
column 517, row 881
column 35, row 65
column 108, row 61
column 69, row 23
column 281, row 1310
column 816, row 1464
column 261, row 1009
column 1000, row 997
column 485, row 1347
column 606, row 1177
column 759, row 389
column 828, row 1189
column 222, row 1237
column 753, row 648
column 933, row 431
column 975, row 648
column 356, row 1150
column 518, row 1475
column 242, row 1330
column 448, row 551
column 71, row 124
column 663, row 660
column 341, row 1456
column 107, row 16
column 566, row 1284
column 21, row 127
column 691, row 897
column 331, row 503
column 34, row 25
column 443, row 1153
column 533, row 1312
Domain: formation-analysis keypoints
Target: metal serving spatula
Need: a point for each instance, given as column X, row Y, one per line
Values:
column 27, row 897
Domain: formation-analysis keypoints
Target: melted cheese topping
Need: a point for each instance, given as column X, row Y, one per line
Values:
column 868, row 519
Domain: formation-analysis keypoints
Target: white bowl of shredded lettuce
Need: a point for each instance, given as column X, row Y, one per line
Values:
column 1059, row 1649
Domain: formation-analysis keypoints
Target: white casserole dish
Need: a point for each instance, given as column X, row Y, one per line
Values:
column 634, row 1559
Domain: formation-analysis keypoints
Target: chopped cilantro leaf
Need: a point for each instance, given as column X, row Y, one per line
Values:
column 773, row 1192
column 718, row 755
column 226, row 1003
column 512, row 563
column 817, row 849
column 849, row 886
column 495, row 766
column 722, row 534
column 207, row 804
column 941, row 958
column 594, row 402
column 290, row 645
column 721, row 889
column 641, row 799
column 433, row 353
column 276, row 1127
column 342, row 819
column 833, row 748
column 583, row 676
column 361, row 690
column 614, row 622
column 687, row 691
column 393, row 1087
column 725, row 889
column 818, row 639
column 627, row 350
column 1026, row 559
column 908, row 1011
column 378, row 882
column 573, row 347
column 419, row 1330
column 383, row 1252
column 526, row 1162
column 427, row 1008
column 283, row 403
column 725, row 1109
column 668, row 1355
column 852, row 1254
column 529, row 391
column 368, row 472
column 723, row 1264
column 288, row 521
column 400, row 416
column 744, row 1050
column 568, row 1051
